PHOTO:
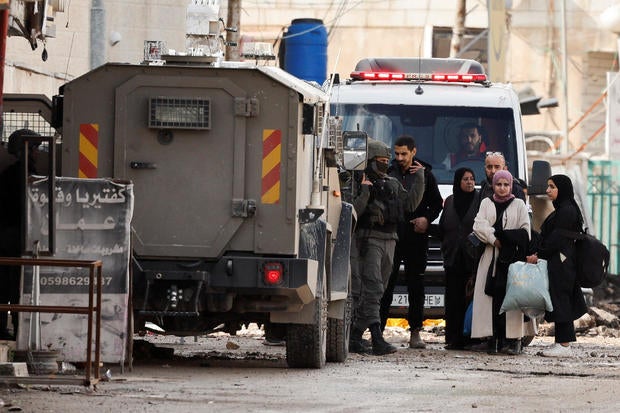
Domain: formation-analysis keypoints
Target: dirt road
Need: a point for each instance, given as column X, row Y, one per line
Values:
column 213, row 375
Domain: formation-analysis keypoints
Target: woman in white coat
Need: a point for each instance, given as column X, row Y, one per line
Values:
column 504, row 245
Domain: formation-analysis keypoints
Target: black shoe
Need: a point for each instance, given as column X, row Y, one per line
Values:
column 493, row 346
column 480, row 347
column 454, row 346
column 380, row 347
column 358, row 347
column 357, row 344
column 512, row 347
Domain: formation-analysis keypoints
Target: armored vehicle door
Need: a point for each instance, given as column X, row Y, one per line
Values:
column 178, row 139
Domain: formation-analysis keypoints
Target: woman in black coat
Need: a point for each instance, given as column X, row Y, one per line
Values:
column 559, row 251
column 455, row 224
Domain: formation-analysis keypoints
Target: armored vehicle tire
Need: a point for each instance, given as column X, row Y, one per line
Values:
column 338, row 332
column 306, row 344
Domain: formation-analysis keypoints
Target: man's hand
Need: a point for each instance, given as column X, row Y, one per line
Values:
column 365, row 180
column 415, row 167
column 420, row 225
column 532, row 259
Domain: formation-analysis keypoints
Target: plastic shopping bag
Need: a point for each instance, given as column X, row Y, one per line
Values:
column 527, row 288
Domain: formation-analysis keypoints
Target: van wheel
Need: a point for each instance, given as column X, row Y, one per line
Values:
column 306, row 344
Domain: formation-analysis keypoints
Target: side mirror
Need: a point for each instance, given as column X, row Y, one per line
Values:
column 541, row 171
column 355, row 145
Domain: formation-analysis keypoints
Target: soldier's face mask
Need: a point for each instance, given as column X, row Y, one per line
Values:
column 380, row 165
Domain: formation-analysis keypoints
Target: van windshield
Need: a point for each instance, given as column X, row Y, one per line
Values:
column 446, row 137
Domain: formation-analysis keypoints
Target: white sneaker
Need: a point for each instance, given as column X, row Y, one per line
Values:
column 558, row 350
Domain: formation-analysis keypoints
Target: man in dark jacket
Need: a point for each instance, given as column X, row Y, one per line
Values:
column 493, row 162
column 412, row 245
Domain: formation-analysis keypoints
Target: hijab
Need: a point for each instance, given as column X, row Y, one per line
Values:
column 565, row 194
column 462, row 199
column 503, row 174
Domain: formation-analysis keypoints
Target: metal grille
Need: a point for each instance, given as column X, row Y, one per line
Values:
column 179, row 113
column 604, row 197
column 21, row 120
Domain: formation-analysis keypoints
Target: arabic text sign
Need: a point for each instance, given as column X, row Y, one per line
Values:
column 92, row 219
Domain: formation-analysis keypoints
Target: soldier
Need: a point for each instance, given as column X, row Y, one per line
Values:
column 11, row 194
column 381, row 204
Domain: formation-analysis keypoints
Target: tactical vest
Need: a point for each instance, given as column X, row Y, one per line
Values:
column 385, row 206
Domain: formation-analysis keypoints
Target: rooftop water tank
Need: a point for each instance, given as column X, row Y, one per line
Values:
column 305, row 50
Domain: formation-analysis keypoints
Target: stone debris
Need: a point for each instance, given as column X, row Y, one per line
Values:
column 584, row 323
column 14, row 369
column 605, row 318
column 230, row 345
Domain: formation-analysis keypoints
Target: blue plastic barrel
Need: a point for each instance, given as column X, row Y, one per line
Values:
column 306, row 50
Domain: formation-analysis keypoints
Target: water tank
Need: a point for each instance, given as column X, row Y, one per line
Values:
column 305, row 50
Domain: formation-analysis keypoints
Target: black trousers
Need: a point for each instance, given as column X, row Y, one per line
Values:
column 456, row 304
column 565, row 332
column 407, row 254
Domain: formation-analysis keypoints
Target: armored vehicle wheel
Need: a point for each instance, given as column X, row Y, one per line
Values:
column 338, row 332
column 306, row 344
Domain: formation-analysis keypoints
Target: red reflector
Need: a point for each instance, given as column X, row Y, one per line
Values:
column 273, row 273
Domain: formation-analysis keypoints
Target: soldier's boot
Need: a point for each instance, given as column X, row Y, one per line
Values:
column 415, row 341
column 357, row 344
column 379, row 345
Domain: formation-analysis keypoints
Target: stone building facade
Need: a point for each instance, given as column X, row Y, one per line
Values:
column 356, row 29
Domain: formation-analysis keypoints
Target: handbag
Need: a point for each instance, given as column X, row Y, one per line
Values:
column 473, row 248
column 527, row 288
column 489, row 285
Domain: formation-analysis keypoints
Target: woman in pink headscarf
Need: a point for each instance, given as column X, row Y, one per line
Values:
column 503, row 224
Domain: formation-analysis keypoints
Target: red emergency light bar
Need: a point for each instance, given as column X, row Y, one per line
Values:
column 437, row 77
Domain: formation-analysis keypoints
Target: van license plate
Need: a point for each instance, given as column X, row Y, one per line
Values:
column 430, row 300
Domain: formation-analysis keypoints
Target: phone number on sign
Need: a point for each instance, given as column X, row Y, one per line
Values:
column 56, row 280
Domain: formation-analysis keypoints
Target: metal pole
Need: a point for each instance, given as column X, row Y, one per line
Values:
column 97, row 34
column 564, row 145
column 4, row 28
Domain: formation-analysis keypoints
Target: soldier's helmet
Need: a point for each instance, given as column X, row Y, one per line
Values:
column 377, row 148
column 16, row 143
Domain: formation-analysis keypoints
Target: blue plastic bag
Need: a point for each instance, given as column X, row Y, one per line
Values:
column 467, row 321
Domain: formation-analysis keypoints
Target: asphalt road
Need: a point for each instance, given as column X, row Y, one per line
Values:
column 213, row 374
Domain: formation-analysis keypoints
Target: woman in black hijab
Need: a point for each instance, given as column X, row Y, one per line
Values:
column 559, row 251
column 455, row 224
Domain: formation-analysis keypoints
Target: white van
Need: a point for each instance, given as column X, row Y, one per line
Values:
column 430, row 99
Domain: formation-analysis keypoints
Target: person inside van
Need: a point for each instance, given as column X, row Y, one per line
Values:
column 472, row 145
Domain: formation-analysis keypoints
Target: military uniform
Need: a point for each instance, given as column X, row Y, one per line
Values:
column 379, row 208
